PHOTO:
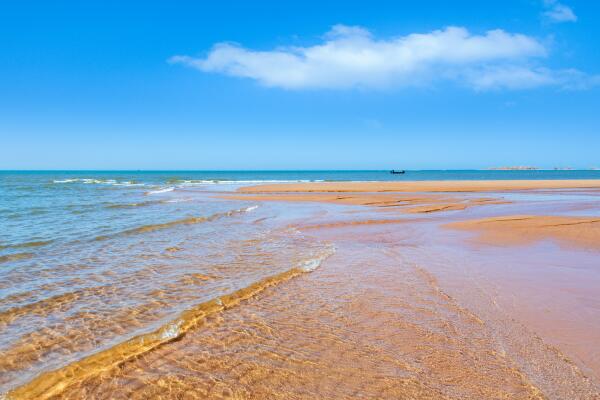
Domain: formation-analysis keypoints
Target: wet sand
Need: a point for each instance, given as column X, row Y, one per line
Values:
column 425, row 186
column 413, row 203
column 405, row 308
column 525, row 229
column 571, row 310
column 372, row 322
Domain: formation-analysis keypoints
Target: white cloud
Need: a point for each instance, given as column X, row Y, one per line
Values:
column 510, row 77
column 351, row 57
column 517, row 77
column 557, row 12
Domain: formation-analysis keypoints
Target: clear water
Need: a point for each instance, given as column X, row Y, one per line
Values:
column 163, row 177
column 91, row 259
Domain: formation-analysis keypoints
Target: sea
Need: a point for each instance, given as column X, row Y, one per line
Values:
column 110, row 264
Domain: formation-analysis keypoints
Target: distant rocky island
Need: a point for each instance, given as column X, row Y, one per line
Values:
column 528, row 168
column 515, row 168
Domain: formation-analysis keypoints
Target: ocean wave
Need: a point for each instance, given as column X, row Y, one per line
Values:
column 133, row 205
column 183, row 221
column 38, row 243
column 40, row 307
column 193, row 182
column 15, row 257
column 51, row 383
column 181, row 200
column 89, row 181
column 181, row 182
column 314, row 263
column 163, row 190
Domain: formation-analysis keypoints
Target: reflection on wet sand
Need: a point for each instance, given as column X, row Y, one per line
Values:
column 405, row 308
column 368, row 324
column 423, row 203
column 524, row 229
column 457, row 186
column 269, row 349
column 53, row 383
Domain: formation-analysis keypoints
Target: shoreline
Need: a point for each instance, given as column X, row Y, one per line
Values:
column 442, row 196
column 459, row 186
column 404, row 294
column 396, row 311
column 507, row 231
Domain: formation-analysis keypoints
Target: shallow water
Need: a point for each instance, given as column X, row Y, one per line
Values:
column 401, row 310
column 149, row 285
column 91, row 263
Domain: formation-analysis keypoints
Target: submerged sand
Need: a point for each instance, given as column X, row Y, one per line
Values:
column 578, row 231
column 425, row 186
column 575, row 232
column 371, row 322
column 421, row 203
column 338, row 333
column 525, row 229
column 401, row 309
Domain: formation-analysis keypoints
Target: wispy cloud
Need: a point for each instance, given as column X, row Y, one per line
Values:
column 557, row 12
column 350, row 57
column 518, row 77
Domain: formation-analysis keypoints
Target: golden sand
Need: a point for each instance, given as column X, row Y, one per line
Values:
column 368, row 325
column 345, row 331
column 423, row 203
column 525, row 229
column 580, row 231
column 53, row 383
column 425, row 186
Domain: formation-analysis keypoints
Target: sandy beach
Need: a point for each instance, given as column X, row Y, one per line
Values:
column 426, row 198
column 524, row 229
column 260, row 200
column 425, row 186
column 421, row 290
column 530, row 233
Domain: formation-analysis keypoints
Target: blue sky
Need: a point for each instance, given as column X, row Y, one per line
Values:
column 299, row 85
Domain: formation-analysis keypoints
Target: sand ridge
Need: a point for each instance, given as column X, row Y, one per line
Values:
column 419, row 197
column 424, row 186
column 408, row 203
column 525, row 229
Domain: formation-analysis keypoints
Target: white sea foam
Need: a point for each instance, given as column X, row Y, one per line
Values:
column 89, row 181
column 314, row 263
column 241, row 210
column 64, row 180
column 163, row 190
column 170, row 332
column 239, row 182
column 182, row 200
column 129, row 184
column 181, row 183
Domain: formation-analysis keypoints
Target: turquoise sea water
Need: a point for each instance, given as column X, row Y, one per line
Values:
column 162, row 177
column 38, row 208
column 89, row 260
column 58, row 206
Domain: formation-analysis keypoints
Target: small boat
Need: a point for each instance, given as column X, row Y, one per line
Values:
column 397, row 171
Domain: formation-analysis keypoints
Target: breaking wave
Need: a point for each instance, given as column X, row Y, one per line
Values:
column 193, row 182
column 183, row 221
column 163, row 190
column 52, row 383
column 15, row 257
column 89, row 181
column 38, row 243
